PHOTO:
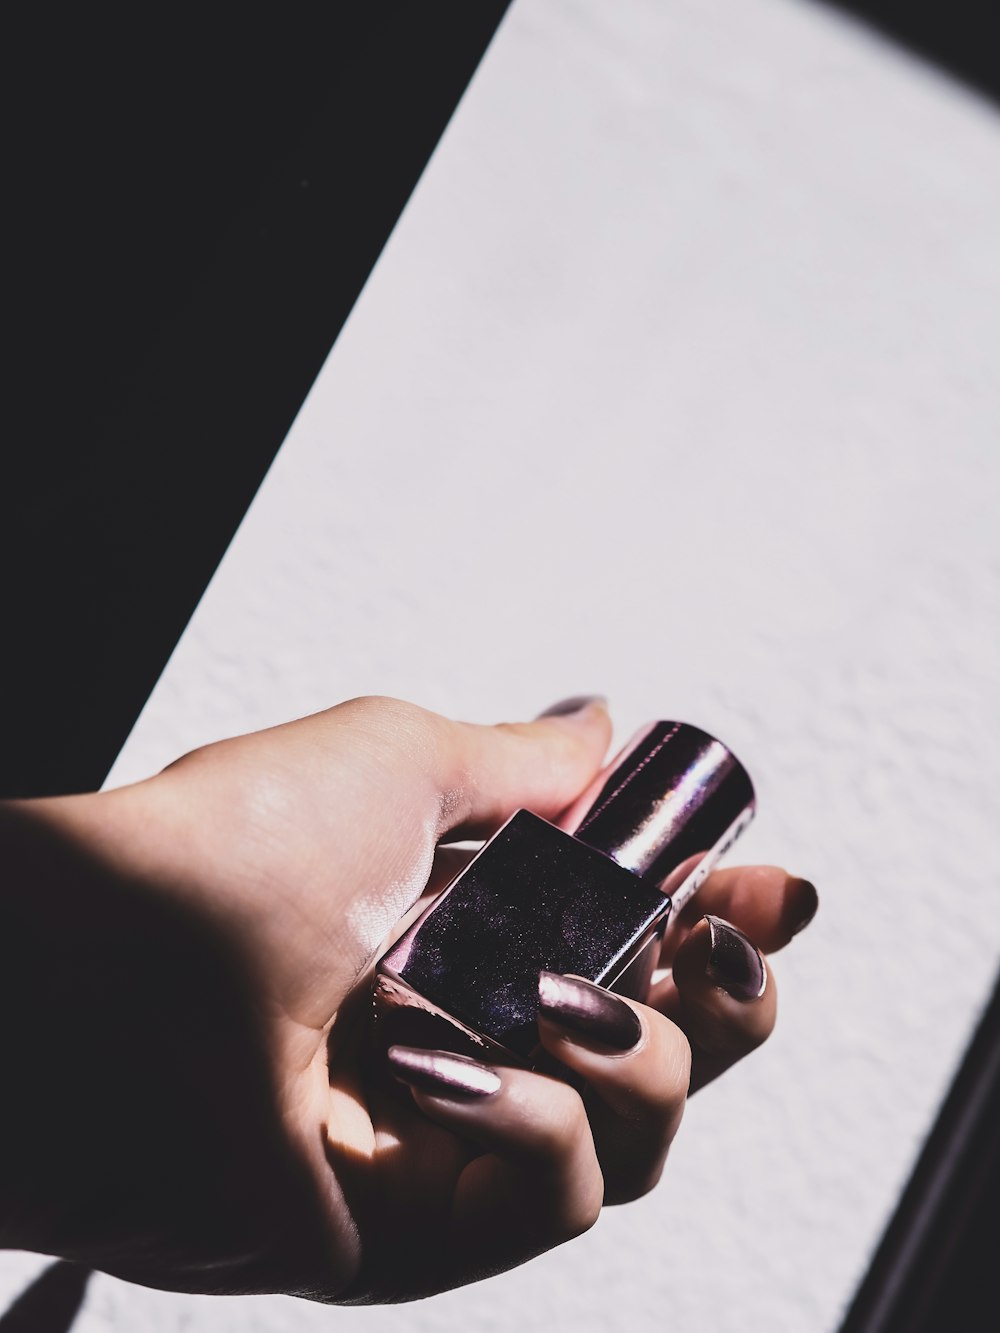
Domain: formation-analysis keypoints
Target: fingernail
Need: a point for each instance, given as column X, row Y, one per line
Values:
column 588, row 1010
column 443, row 1073
column 808, row 903
column 576, row 704
column 733, row 962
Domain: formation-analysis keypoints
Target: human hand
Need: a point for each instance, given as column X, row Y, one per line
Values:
column 186, row 989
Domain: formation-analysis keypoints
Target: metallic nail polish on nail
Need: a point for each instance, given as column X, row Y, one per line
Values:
column 576, row 704
column 588, row 1011
column 587, row 896
column 733, row 962
column 443, row 1074
column 809, row 903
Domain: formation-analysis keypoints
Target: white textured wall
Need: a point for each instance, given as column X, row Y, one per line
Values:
column 677, row 381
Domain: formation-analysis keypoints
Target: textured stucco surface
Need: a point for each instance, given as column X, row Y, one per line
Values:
column 678, row 381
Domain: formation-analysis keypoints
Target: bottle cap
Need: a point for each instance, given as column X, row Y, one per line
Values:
column 672, row 793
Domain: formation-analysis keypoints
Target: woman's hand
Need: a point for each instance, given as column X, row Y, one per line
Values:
column 186, row 988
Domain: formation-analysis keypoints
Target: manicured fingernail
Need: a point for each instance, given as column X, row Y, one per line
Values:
column 733, row 962
column 807, row 903
column 576, row 704
column 442, row 1073
column 588, row 1011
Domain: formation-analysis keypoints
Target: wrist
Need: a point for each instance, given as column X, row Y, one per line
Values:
column 93, row 955
column 43, row 990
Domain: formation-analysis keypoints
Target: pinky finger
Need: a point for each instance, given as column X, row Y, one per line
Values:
column 538, row 1183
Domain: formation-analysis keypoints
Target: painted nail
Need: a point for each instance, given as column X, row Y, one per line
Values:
column 442, row 1073
column 588, row 1011
column 807, row 903
column 576, row 704
column 733, row 962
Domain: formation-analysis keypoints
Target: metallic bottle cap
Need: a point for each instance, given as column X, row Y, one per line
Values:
column 672, row 793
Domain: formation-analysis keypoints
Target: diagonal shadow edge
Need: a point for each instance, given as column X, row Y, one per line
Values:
column 50, row 1302
column 959, row 37
column 115, row 531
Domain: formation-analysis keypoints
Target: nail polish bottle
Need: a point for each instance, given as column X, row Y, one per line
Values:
column 590, row 896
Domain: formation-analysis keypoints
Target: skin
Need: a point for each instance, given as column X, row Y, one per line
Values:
column 185, row 988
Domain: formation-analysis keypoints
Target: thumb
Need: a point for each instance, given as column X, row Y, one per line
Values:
column 414, row 778
column 476, row 776
column 334, row 819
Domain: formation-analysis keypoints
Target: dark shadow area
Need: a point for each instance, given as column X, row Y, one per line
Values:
column 959, row 35
column 935, row 1266
column 51, row 1303
column 194, row 205
column 153, row 1138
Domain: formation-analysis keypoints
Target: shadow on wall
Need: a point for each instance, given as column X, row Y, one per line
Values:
column 959, row 35
column 956, row 36
column 51, row 1303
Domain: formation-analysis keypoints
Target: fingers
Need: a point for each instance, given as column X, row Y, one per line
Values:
column 765, row 902
column 721, row 993
column 713, row 990
column 636, row 1064
column 474, row 776
column 552, row 1156
column 538, row 1184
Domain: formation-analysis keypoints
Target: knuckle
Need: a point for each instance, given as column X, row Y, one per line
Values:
column 678, row 1064
column 396, row 731
column 200, row 757
column 516, row 730
column 666, row 1087
column 566, row 1130
column 635, row 1186
column 583, row 1215
column 381, row 710
column 733, row 1042
column 574, row 1210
